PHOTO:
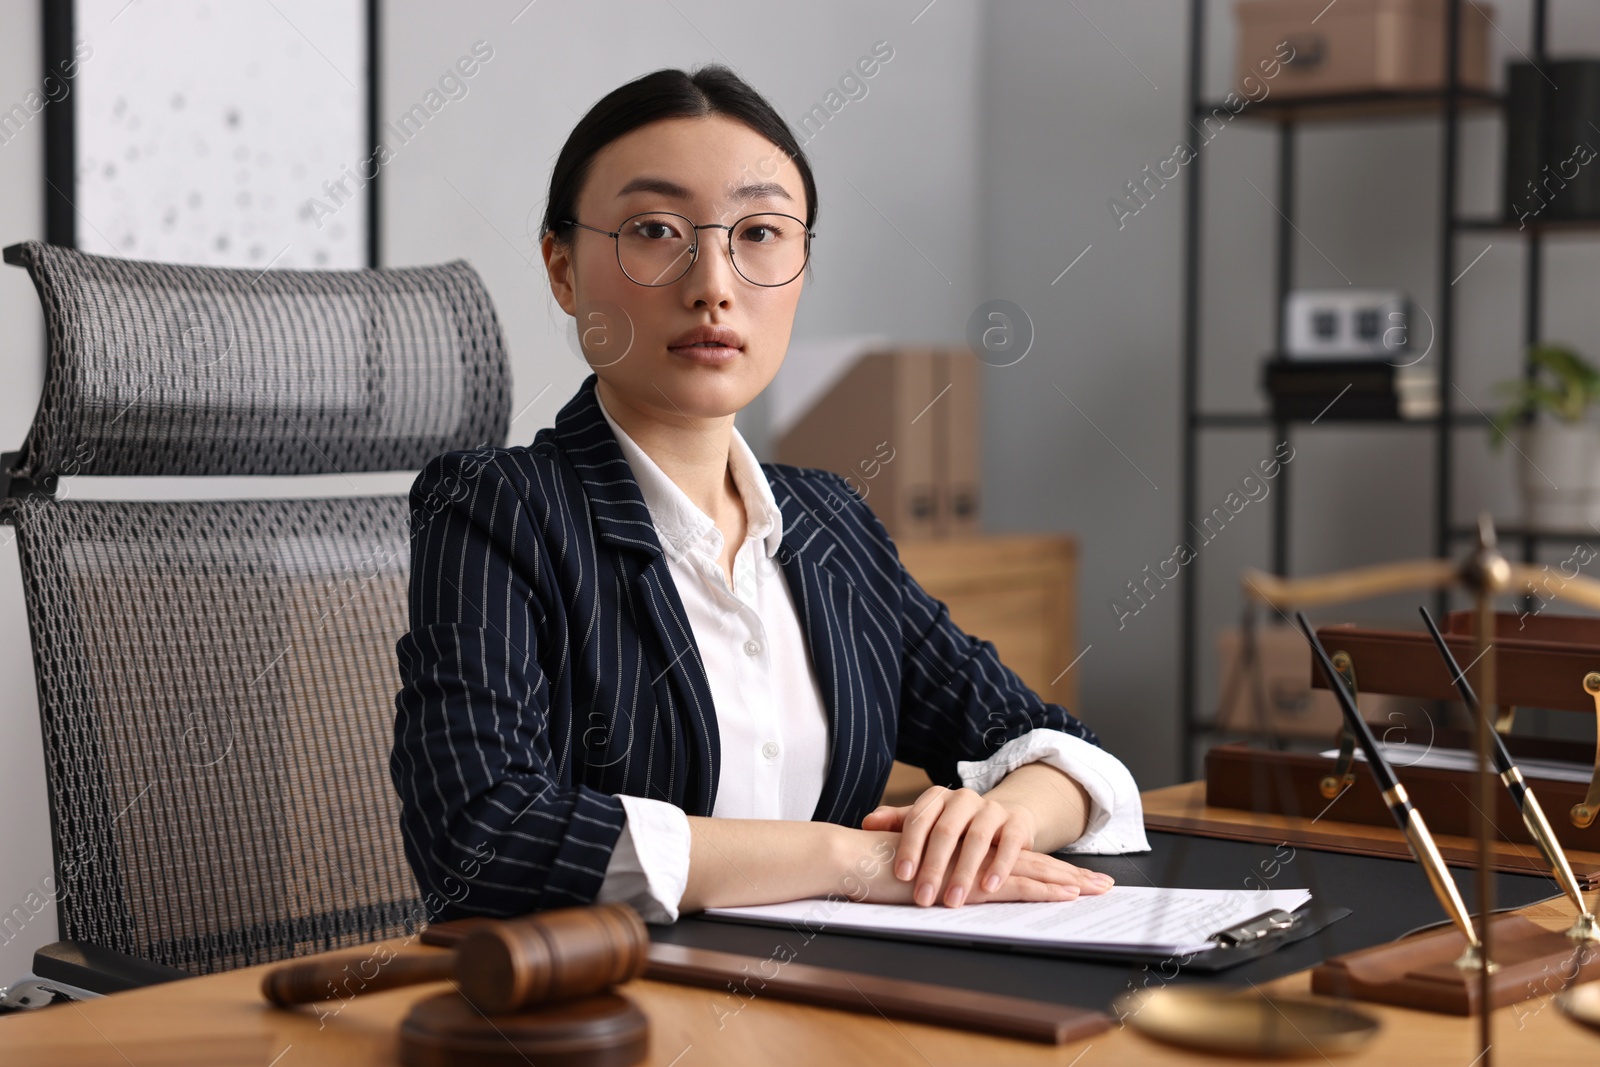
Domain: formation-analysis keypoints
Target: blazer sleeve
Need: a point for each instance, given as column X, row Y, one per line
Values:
column 958, row 702
column 489, row 825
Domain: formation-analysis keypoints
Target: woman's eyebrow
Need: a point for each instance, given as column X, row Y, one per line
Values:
column 667, row 187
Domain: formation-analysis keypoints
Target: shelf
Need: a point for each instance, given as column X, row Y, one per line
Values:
column 1456, row 112
column 1544, row 227
column 1343, row 107
column 1249, row 419
column 1525, row 533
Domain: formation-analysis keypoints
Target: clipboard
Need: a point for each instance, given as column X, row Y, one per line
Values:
column 1245, row 941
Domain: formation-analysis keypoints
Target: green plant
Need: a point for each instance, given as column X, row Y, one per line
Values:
column 1562, row 383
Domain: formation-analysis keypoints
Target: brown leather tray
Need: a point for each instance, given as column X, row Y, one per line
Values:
column 1183, row 809
column 1254, row 779
column 1541, row 660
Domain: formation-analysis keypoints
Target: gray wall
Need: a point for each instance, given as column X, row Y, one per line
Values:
column 24, row 833
column 993, row 140
column 473, row 183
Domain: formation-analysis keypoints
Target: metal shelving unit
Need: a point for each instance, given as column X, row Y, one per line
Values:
column 1447, row 105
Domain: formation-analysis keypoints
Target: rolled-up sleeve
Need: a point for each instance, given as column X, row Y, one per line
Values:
column 489, row 824
column 1116, row 813
column 649, row 868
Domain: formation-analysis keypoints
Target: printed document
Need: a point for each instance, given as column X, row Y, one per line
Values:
column 1127, row 918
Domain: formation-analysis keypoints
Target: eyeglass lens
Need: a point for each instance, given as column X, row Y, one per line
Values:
column 654, row 248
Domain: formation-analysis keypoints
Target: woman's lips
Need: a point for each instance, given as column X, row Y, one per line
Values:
column 708, row 354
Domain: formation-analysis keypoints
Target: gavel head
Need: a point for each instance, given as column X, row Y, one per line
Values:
column 553, row 955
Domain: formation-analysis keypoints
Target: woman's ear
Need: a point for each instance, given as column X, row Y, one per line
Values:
column 559, row 266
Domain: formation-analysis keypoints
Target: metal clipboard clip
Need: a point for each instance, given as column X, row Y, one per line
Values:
column 1252, row 930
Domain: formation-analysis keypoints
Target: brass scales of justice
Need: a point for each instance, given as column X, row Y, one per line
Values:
column 1481, row 965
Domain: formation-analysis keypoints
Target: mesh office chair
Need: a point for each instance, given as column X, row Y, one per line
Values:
column 216, row 679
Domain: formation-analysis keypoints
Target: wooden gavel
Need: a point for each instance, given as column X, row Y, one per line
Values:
column 499, row 966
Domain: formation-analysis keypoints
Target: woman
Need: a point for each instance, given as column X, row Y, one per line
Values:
column 644, row 667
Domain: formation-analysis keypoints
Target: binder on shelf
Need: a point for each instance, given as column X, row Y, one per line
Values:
column 1340, row 389
column 1524, row 140
column 1573, row 142
column 1552, row 146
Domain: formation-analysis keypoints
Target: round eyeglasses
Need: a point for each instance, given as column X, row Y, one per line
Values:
column 658, row 247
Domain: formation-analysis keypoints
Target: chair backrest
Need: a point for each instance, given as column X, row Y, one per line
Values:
column 217, row 677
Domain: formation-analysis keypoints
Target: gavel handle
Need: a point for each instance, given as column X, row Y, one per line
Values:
column 315, row 980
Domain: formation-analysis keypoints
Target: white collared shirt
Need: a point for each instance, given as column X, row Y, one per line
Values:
column 771, row 719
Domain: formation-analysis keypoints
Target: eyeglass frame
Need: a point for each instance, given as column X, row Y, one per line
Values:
column 694, row 249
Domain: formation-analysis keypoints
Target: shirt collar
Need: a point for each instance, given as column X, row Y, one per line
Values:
column 679, row 522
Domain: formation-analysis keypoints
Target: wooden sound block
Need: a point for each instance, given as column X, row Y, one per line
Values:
column 607, row 1030
column 1420, row 972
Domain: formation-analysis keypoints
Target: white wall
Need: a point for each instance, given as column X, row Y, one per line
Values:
column 24, row 831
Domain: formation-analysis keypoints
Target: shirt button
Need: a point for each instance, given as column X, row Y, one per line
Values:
column 752, row 646
column 770, row 749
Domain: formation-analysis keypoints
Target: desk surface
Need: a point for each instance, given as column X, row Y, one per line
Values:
column 221, row 1019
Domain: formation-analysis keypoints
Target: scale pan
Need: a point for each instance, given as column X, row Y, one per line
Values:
column 1244, row 1024
column 1582, row 1005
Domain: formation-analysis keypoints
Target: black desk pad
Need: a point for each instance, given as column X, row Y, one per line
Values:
column 1386, row 897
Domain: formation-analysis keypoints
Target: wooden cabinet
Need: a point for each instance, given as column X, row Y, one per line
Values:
column 1019, row 592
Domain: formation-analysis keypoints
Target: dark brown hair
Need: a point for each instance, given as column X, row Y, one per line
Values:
column 664, row 94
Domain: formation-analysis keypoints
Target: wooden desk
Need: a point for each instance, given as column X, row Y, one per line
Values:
column 222, row 1020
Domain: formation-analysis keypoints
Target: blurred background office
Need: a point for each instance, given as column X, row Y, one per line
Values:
column 1031, row 160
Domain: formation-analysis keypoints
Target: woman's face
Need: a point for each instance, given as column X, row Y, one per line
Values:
column 709, row 169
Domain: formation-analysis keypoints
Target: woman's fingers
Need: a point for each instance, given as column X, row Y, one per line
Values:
column 946, row 837
column 975, row 848
column 1046, row 868
column 1007, row 850
column 1018, row 888
column 886, row 817
column 914, row 831
column 956, row 810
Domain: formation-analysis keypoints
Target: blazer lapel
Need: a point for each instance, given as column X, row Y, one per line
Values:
column 622, row 521
column 832, row 614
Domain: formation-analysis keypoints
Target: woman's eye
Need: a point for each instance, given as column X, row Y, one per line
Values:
column 762, row 234
column 655, row 230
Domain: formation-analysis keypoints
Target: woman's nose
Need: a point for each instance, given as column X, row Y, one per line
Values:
column 711, row 278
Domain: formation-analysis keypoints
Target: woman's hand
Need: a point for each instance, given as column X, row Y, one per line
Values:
column 868, row 856
column 962, row 834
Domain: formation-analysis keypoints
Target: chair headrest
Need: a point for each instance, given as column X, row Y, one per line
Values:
column 162, row 369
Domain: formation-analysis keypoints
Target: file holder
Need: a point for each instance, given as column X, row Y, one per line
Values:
column 1256, row 937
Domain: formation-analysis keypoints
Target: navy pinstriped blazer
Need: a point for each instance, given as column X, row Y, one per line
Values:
column 549, row 666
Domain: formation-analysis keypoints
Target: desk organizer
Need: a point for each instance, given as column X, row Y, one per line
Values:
column 1545, row 661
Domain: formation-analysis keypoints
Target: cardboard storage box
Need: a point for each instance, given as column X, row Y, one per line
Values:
column 902, row 425
column 1294, row 708
column 1356, row 46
